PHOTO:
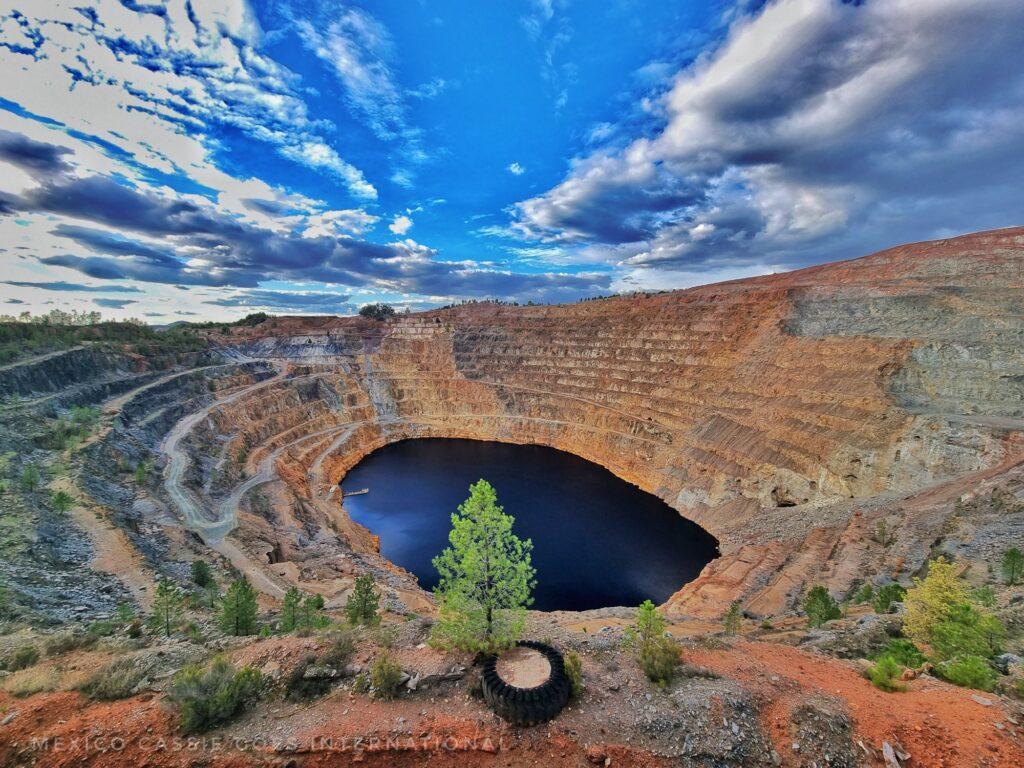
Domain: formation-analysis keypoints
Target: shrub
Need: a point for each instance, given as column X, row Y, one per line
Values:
column 865, row 594
column 984, row 596
column 883, row 535
column 385, row 676
column 361, row 684
column 903, row 652
column 574, row 671
column 820, row 607
column 363, row 605
column 66, row 642
column 117, row 680
column 732, row 619
column 142, row 470
column 201, row 574
column 886, row 596
column 31, row 681
column 23, row 658
column 340, row 649
column 208, row 697
column 1013, row 565
column 657, row 654
column 885, row 674
column 969, row 672
column 967, row 631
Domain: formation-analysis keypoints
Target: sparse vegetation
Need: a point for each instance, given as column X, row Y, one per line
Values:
column 117, row 680
column 574, row 671
column 883, row 534
column 290, row 609
column 23, row 658
column 363, row 605
column 903, row 652
column 486, row 577
column 657, row 654
column 239, row 609
column 208, row 697
column 142, row 470
column 167, row 608
column 29, row 682
column 385, row 676
column 865, row 593
column 820, row 606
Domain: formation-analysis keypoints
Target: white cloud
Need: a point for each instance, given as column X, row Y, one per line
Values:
column 814, row 129
column 400, row 225
column 516, row 169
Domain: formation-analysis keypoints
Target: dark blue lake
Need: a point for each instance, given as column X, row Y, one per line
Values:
column 597, row 540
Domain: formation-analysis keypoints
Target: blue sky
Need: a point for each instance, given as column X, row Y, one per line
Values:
column 207, row 158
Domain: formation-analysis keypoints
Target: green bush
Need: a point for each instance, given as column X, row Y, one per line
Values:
column 969, row 672
column 201, row 574
column 657, row 654
column 967, row 631
column 886, row 596
column 208, row 697
column 885, row 674
column 23, row 658
column 865, row 594
column 820, row 607
column 984, row 596
column 1013, row 565
column 903, row 652
column 732, row 619
column 385, row 676
column 117, row 680
column 574, row 671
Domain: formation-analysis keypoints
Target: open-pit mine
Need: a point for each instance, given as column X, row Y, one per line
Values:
column 786, row 415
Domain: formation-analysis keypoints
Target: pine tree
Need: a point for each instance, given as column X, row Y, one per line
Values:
column 1013, row 565
column 201, row 574
column 30, row 478
column 167, row 607
column 290, row 609
column 732, row 619
column 61, row 501
column 309, row 613
column 364, row 602
column 486, row 577
column 820, row 607
column 239, row 609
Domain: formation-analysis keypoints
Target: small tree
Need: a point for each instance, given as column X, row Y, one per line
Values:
column 201, row 574
column 239, row 608
column 887, row 595
column 732, row 619
column 931, row 599
column 30, row 478
column 61, row 501
column 364, row 603
column 1013, row 565
column 309, row 612
column 486, row 577
column 167, row 607
column 377, row 311
column 655, row 652
column 820, row 607
column 290, row 609
column 142, row 472
column 883, row 535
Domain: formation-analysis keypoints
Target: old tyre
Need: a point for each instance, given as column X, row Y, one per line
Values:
column 528, row 706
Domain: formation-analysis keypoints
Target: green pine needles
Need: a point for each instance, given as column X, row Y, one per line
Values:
column 239, row 609
column 486, row 577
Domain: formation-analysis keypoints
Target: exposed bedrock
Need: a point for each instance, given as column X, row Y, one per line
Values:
column 785, row 414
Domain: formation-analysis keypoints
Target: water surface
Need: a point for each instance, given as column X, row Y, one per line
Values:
column 597, row 540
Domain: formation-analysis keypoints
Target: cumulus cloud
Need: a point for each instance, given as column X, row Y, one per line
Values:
column 516, row 169
column 815, row 129
column 400, row 225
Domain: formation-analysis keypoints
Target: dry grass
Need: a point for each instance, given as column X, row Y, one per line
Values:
column 31, row 681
